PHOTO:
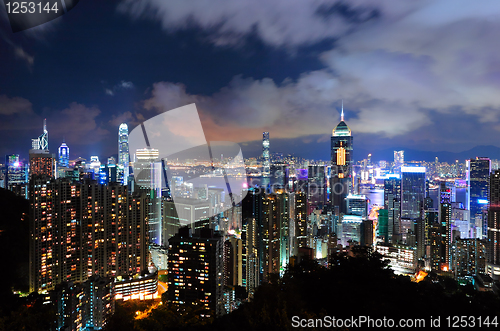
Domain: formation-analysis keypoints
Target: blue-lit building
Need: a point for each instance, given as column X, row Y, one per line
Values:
column 478, row 176
column 16, row 175
column 63, row 155
column 412, row 192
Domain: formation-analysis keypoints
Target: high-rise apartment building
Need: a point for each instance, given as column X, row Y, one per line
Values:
column 275, row 233
column 82, row 229
column 195, row 270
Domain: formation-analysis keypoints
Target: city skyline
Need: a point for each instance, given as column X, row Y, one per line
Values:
column 237, row 164
column 426, row 95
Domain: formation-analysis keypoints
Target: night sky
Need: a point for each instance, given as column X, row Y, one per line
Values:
column 423, row 75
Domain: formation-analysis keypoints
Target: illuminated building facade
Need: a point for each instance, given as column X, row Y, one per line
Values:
column 195, row 270
column 233, row 262
column 300, row 216
column 265, row 154
column 399, row 160
column 63, row 155
column 147, row 175
column 350, row 230
column 478, row 178
column 252, row 219
column 41, row 163
column 436, row 240
column 16, row 175
column 317, row 186
column 494, row 225
column 402, row 258
column 468, row 258
column 392, row 203
column 82, row 229
column 357, row 205
column 123, row 152
column 275, row 233
column 412, row 192
column 341, row 164
column 193, row 213
column 142, row 287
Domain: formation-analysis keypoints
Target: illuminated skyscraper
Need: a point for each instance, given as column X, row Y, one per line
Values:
column 147, row 175
column 275, row 233
column 265, row 154
column 63, row 155
column 341, row 170
column 123, row 151
column 399, row 160
column 412, row 192
column 478, row 178
column 494, row 226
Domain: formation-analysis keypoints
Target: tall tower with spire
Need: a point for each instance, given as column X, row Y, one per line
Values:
column 341, row 162
column 123, row 151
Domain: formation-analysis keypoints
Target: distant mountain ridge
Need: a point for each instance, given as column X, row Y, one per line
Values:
column 493, row 152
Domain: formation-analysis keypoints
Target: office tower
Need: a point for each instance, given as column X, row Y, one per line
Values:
column 367, row 230
column 317, row 186
column 108, row 173
column 494, row 225
column 357, row 205
column 147, row 176
column 460, row 223
column 123, row 151
column 195, row 270
column 399, row 160
column 383, row 225
column 193, row 213
column 412, row 192
column 81, row 229
column 350, row 230
column 478, row 178
column 63, row 155
column 16, row 175
column 342, row 161
column 468, row 258
column 265, row 154
column 392, row 188
column 275, row 233
column 278, row 177
column 392, row 202
column 42, row 142
column 41, row 163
